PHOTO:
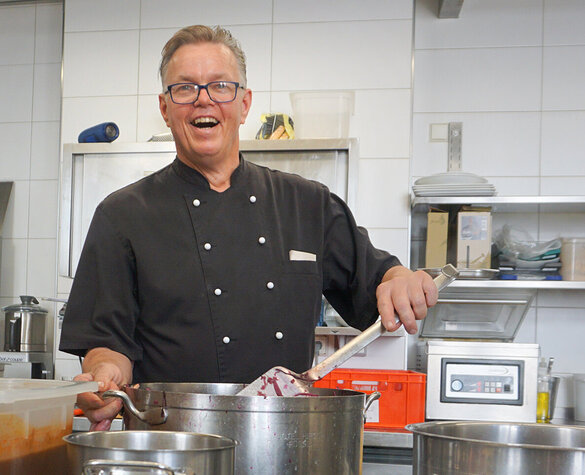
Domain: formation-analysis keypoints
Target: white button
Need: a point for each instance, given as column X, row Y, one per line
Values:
column 207, row 246
column 196, row 202
column 270, row 285
column 278, row 335
column 226, row 339
column 261, row 239
column 252, row 199
column 217, row 292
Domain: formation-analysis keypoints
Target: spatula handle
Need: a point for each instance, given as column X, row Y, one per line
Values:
column 447, row 275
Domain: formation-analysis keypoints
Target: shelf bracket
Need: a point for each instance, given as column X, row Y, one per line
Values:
column 454, row 144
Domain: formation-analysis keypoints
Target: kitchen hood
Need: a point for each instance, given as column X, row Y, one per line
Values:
column 5, row 189
column 449, row 8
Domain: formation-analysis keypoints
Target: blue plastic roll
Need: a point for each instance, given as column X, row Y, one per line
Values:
column 106, row 132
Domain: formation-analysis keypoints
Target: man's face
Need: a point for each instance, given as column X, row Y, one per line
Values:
column 205, row 132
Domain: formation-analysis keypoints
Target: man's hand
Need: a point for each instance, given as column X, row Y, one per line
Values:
column 405, row 294
column 111, row 370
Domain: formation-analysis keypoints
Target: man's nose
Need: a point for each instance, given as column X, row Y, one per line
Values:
column 204, row 98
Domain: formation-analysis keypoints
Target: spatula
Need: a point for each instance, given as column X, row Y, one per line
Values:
column 280, row 381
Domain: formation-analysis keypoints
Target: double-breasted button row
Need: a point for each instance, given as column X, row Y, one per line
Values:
column 197, row 202
column 278, row 335
column 218, row 291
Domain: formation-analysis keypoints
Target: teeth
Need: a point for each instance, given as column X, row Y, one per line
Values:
column 205, row 120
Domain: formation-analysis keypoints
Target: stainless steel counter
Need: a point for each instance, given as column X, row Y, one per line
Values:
column 395, row 439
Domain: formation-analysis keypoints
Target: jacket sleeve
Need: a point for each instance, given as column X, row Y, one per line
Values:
column 352, row 267
column 102, row 308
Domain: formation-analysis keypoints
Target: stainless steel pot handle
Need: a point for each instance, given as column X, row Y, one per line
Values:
column 369, row 400
column 94, row 467
column 153, row 416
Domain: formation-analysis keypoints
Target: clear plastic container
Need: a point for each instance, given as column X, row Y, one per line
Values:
column 573, row 258
column 322, row 114
column 35, row 414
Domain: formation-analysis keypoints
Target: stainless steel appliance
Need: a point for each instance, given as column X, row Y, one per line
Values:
column 25, row 326
column 474, row 370
column 482, row 381
column 34, row 365
column 25, row 341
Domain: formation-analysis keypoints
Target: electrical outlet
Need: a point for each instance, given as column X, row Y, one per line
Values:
column 438, row 132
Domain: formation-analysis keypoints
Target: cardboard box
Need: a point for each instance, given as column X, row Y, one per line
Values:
column 437, row 230
column 474, row 238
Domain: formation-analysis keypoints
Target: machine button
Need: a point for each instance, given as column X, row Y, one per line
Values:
column 456, row 385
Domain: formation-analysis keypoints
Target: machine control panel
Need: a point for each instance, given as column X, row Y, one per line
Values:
column 487, row 381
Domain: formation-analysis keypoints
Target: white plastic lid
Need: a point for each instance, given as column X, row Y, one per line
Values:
column 13, row 390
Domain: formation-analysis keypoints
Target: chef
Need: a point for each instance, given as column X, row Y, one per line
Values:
column 213, row 268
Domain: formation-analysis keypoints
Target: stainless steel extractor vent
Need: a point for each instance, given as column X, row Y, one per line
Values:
column 5, row 189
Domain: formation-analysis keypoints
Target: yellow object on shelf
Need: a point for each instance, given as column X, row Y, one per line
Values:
column 276, row 127
column 542, row 407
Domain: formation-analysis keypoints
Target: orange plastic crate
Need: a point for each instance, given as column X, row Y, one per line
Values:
column 403, row 394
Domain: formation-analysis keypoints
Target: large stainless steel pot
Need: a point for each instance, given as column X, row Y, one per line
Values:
column 167, row 452
column 319, row 434
column 445, row 448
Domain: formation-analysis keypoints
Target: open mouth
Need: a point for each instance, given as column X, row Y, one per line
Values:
column 205, row 122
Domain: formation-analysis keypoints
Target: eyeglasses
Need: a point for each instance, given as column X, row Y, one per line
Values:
column 218, row 91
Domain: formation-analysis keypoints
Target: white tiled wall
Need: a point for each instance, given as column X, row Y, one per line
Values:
column 301, row 45
column 512, row 71
column 30, row 92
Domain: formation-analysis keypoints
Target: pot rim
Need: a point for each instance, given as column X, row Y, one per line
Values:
column 148, row 387
column 84, row 439
column 419, row 429
column 158, row 395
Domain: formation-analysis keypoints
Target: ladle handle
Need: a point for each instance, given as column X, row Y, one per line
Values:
column 447, row 275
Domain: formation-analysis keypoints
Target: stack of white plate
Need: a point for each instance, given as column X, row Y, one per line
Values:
column 454, row 183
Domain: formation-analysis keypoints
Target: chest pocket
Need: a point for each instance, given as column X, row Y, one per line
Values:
column 300, row 267
column 303, row 285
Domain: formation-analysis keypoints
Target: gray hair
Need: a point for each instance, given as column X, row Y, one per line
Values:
column 202, row 34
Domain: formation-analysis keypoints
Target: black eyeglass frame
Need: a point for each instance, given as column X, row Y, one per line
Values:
column 201, row 87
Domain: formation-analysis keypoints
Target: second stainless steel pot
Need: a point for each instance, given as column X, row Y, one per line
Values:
column 318, row 434
column 453, row 448
column 177, row 453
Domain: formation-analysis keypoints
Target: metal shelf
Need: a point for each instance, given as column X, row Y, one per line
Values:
column 350, row 331
column 501, row 204
column 520, row 284
column 506, row 204
column 395, row 439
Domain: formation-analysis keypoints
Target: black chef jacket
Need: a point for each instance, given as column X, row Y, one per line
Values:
column 200, row 286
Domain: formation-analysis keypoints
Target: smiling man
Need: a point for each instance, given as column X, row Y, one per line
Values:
column 213, row 268
column 204, row 103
